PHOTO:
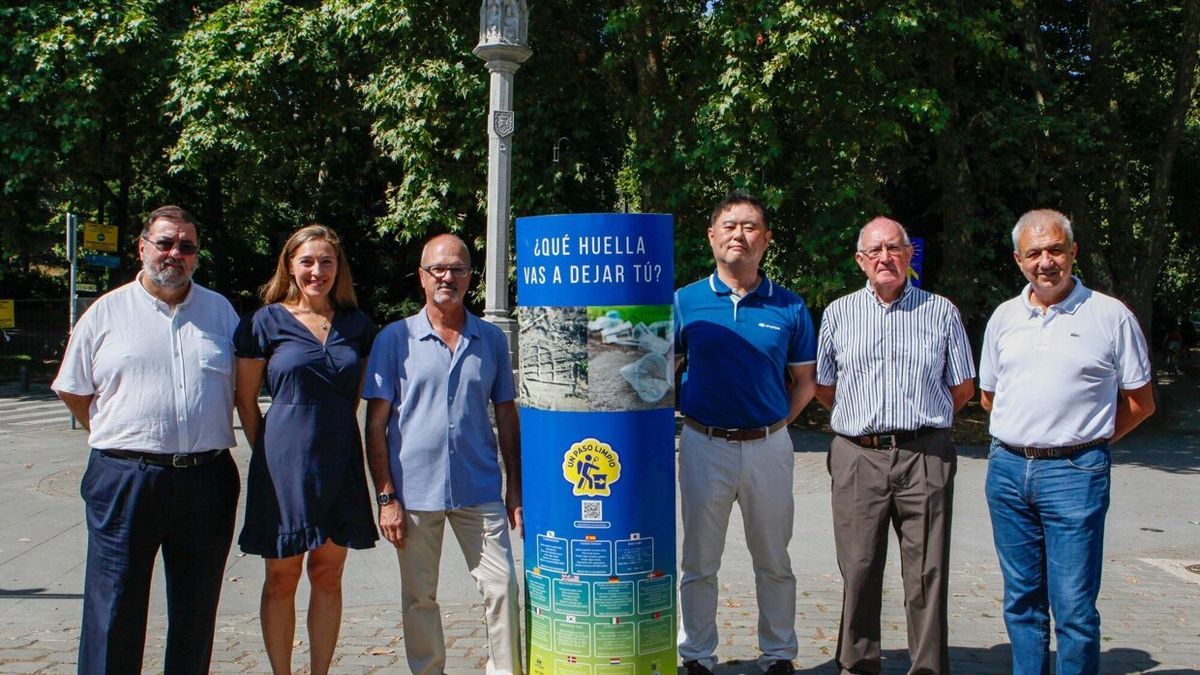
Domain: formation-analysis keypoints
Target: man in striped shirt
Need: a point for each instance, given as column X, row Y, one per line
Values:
column 893, row 364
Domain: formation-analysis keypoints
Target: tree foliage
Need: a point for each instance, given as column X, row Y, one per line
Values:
column 370, row 115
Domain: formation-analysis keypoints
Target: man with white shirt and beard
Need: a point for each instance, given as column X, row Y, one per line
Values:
column 149, row 371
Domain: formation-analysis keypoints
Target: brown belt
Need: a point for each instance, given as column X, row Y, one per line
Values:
column 1050, row 453
column 891, row 439
column 751, row 434
column 181, row 461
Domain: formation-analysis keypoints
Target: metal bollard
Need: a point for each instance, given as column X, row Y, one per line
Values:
column 24, row 379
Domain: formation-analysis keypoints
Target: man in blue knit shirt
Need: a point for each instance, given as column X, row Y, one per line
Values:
column 749, row 347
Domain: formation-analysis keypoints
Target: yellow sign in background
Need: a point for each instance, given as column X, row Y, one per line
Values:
column 100, row 237
column 8, row 316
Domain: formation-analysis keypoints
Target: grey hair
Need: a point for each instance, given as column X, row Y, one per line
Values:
column 1042, row 216
column 863, row 230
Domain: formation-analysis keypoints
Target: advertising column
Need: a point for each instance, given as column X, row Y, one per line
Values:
column 597, row 399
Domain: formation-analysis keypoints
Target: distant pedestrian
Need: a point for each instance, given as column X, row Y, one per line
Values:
column 749, row 346
column 1065, row 373
column 1173, row 347
column 306, row 493
column 149, row 372
column 894, row 365
column 434, row 458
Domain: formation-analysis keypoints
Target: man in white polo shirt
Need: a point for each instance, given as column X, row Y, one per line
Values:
column 149, row 372
column 1064, row 372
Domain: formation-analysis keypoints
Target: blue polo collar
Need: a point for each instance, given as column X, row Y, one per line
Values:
column 470, row 327
column 765, row 288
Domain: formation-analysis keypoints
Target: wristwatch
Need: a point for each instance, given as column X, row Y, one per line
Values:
column 385, row 498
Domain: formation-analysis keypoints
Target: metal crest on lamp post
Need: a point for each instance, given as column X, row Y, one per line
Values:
column 503, row 45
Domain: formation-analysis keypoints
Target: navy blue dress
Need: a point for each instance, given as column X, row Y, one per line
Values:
column 306, row 481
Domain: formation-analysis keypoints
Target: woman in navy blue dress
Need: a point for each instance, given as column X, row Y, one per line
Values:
column 306, row 490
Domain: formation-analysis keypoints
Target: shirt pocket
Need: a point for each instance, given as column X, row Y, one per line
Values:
column 215, row 354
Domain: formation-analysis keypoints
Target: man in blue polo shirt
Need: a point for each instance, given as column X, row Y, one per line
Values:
column 433, row 458
column 750, row 350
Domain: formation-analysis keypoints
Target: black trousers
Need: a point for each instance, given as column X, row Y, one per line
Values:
column 133, row 510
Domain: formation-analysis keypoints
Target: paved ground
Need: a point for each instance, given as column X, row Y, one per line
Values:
column 1150, row 601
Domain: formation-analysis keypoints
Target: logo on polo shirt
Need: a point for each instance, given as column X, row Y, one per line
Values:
column 769, row 325
column 591, row 466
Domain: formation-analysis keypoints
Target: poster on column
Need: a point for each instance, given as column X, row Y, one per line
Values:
column 597, row 395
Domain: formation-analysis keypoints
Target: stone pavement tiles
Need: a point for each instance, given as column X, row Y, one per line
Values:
column 1149, row 601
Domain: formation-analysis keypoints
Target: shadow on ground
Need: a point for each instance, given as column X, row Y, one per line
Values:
column 37, row 594
column 976, row 661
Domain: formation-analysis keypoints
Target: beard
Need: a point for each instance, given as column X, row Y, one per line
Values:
column 167, row 276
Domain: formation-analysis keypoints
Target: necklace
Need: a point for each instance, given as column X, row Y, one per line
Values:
column 301, row 312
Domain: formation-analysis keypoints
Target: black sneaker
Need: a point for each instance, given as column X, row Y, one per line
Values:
column 781, row 667
column 696, row 668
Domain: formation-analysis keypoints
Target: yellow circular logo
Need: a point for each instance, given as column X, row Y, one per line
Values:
column 591, row 467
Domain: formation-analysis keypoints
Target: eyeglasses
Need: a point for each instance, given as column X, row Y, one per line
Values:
column 438, row 271
column 167, row 245
column 876, row 252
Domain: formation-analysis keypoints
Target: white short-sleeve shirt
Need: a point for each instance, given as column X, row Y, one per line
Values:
column 1055, row 376
column 162, row 377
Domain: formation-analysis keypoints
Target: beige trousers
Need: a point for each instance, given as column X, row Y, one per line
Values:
column 482, row 533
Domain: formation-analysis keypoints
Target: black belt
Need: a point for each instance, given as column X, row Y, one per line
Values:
column 181, row 461
column 1050, row 453
column 751, row 434
column 891, row 439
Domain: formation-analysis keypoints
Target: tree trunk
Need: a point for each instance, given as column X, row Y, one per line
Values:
column 1136, row 259
column 950, row 170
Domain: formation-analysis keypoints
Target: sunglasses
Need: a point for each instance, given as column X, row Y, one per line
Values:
column 167, row 245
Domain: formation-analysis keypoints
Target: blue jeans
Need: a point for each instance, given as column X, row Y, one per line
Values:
column 1048, row 525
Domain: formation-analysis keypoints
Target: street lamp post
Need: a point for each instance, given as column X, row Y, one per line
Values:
column 503, row 45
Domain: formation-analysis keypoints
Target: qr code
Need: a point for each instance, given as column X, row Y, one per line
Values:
column 592, row 510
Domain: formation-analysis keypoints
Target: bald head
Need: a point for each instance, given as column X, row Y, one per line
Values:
column 445, row 273
column 445, row 244
column 883, row 254
column 881, row 223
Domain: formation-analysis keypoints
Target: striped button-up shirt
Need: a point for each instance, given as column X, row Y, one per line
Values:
column 893, row 365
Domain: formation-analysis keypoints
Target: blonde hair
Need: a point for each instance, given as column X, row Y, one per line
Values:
column 282, row 286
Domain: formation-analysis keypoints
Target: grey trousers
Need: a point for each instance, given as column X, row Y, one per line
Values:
column 713, row 474
column 912, row 489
